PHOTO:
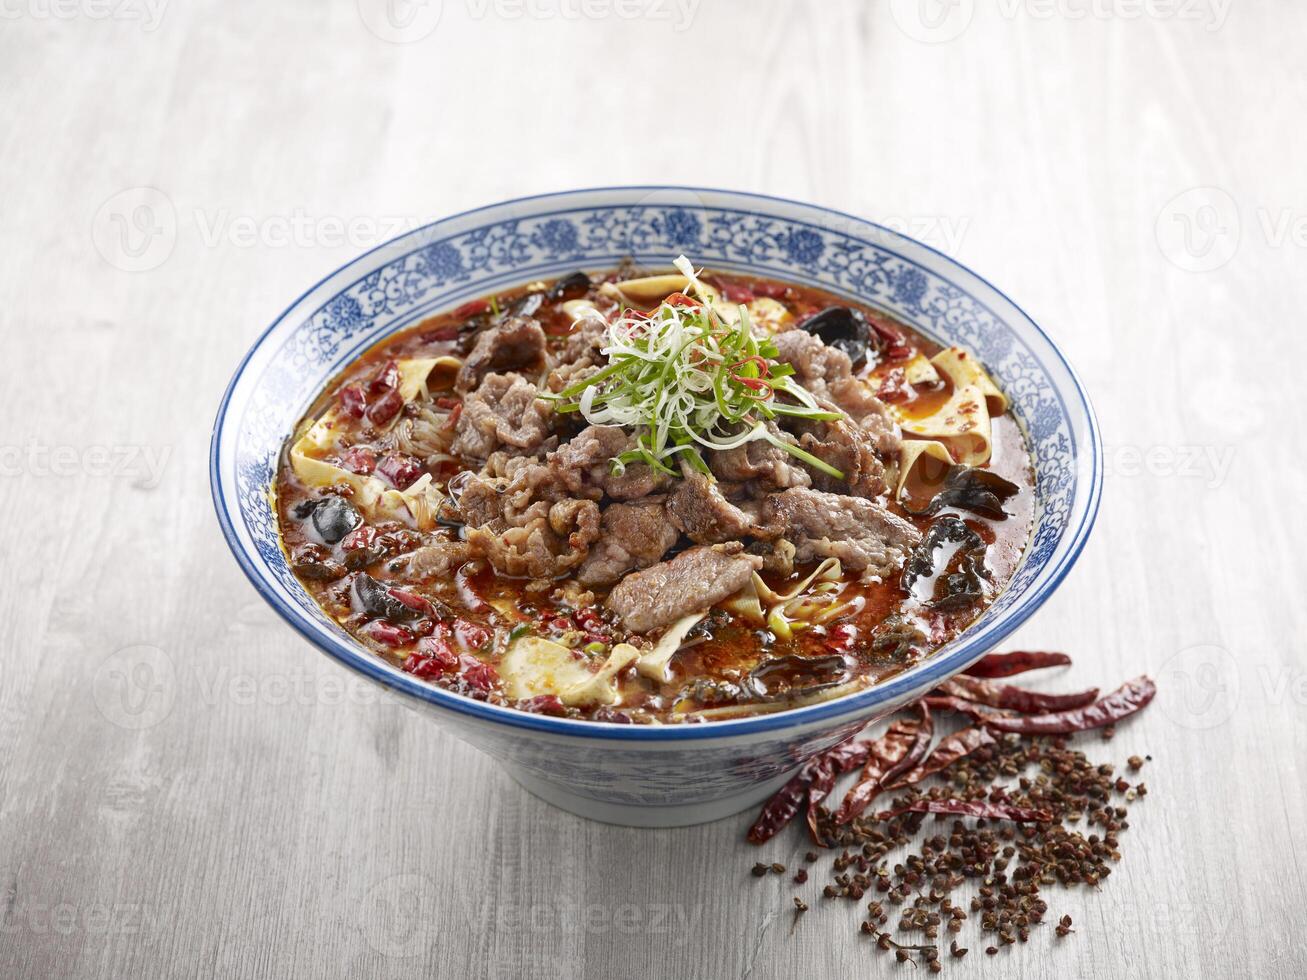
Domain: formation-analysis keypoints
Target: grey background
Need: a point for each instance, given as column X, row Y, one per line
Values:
column 187, row 789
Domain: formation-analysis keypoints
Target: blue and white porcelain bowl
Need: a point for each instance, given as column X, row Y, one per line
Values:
column 651, row 775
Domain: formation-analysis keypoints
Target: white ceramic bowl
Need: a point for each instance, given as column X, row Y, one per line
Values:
column 632, row 774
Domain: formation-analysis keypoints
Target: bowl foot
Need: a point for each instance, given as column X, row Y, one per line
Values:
column 642, row 815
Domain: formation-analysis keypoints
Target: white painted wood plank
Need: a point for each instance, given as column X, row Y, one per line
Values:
column 263, row 814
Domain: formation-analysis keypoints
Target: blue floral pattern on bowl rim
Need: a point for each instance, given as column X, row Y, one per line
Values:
column 442, row 264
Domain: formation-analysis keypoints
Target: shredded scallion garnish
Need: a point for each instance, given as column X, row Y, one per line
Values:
column 683, row 379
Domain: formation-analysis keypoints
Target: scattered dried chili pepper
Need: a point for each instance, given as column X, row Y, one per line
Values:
column 832, row 765
column 947, row 752
column 903, row 746
column 1017, row 662
column 1121, row 703
column 947, row 703
column 1014, row 698
column 781, row 808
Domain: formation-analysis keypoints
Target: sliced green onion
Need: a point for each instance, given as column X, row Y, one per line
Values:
column 683, row 380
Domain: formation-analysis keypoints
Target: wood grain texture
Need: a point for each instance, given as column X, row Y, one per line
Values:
column 188, row 790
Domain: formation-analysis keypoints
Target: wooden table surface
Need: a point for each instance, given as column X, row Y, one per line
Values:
column 189, row 790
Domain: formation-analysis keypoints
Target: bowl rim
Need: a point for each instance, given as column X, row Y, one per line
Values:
column 897, row 688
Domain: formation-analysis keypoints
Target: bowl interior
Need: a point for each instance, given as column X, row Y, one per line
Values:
column 466, row 256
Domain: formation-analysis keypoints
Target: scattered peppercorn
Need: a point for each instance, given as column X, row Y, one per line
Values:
column 1009, row 863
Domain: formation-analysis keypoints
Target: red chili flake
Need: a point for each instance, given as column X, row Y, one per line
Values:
column 454, row 415
column 413, row 601
column 401, row 469
column 438, row 648
column 471, row 636
column 889, row 334
column 386, row 407
column 899, row 352
column 445, row 333
column 447, row 403
column 473, row 308
column 481, row 676
column 950, row 750
column 772, row 290
column 353, row 402
column 1013, row 697
column 902, row 746
column 359, row 460
column 363, row 536
column 561, row 624
column 841, row 637
column 388, row 633
column 761, row 389
column 971, row 808
column 387, row 379
column 1122, row 703
column 543, row 704
column 1016, row 662
column 894, row 387
column 735, row 293
column 781, row 808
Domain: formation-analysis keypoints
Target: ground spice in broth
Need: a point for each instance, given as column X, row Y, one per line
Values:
column 430, row 503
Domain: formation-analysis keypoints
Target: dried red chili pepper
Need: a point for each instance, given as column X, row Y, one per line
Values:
column 1122, row 703
column 1015, row 698
column 474, row 308
column 971, row 808
column 782, row 807
column 956, row 746
column 962, row 706
column 833, row 765
column 1017, row 662
column 901, row 747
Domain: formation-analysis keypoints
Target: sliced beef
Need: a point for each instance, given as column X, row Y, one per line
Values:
column 849, row 448
column 631, row 536
column 769, row 466
column 543, row 546
column 580, row 354
column 828, row 374
column 438, row 560
column 697, row 507
column 583, row 465
column 856, row 400
column 693, row 580
column 485, row 501
column 518, row 342
column 816, row 366
column 504, row 411
column 861, row 533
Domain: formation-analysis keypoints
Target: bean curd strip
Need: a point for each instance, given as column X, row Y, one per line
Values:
column 686, row 380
